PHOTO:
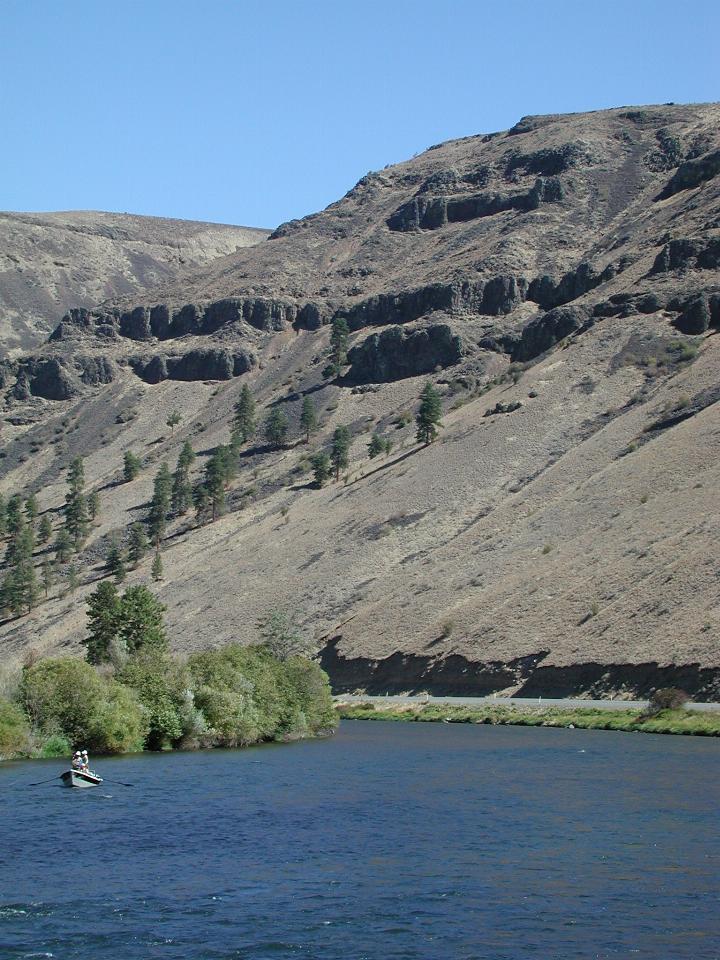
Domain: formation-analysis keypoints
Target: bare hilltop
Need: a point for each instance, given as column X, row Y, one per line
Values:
column 50, row 262
column 559, row 285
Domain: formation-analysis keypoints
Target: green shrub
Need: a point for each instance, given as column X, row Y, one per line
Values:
column 14, row 730
column 68, row 697
column 159, row 683
column 55, row 746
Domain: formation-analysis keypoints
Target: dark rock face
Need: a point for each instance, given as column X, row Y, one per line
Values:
column 702, row 253
column 545, row 330
column 699, row 314
column 144, row 323
column 210, row 364
column 397, row 352
column 95, row 370
column 55, row 378
column 431, row 212
column 549, row 293
column 549, row 162
column 692, row 173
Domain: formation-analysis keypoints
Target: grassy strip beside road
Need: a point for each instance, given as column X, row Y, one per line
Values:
column 681, row 721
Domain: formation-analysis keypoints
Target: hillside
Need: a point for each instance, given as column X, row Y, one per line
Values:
column 50, row 262
column 560, row 284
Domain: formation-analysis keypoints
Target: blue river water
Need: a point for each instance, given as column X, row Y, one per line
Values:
column 390, row 840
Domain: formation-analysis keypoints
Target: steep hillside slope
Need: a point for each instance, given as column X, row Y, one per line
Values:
column 50, row 262
column 560, row 284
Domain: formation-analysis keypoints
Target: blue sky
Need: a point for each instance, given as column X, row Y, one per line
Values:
column 254, row 113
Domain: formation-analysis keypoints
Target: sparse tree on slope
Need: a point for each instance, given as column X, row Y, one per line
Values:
column 276, row 428
column 103, row 622
column 308, row 418
column 160, row 504
column 243, row 425
column 115, row 563
column 340, row 451
column 138, row 544
column 131, row 466
column 173, row 420
column 76, row 517
column 429, row 414
column 182, row 487
column 157, row 566
column 320, row 463
column 44, row 529
column 339, row 339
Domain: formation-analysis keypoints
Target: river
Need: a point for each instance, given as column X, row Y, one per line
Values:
column 390, row 840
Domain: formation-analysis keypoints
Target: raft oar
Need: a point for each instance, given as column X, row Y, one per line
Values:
column 56, row 777
column 106, row 780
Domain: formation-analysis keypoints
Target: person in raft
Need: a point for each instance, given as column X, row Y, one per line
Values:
column 77, row 761
column 85, row 762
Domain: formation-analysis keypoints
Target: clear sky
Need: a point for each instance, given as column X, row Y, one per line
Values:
column 256, row 112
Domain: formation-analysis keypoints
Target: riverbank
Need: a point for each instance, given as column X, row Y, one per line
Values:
column 684, row 721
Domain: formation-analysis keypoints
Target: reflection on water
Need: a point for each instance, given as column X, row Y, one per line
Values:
column 389, row 841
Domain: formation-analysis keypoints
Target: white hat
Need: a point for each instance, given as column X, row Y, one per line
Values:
column 77, row 753
column 84, row 753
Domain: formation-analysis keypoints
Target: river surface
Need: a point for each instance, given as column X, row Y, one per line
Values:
column 391, row 840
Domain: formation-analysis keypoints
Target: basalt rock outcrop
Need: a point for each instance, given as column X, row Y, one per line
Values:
column 399, row 352
column 201, row 364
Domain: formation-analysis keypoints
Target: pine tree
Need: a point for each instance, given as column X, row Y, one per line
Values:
column 103, row 622
column 76, row 518
column 340, row 450
column 376, row 446
column 173, row 420
column 157, row 566
column 138, row 544
column 141, row 620
column 47, row 577
column 429, row 414
column 20, row 588
column 276, row 428
column 93, row 504
column 308, row 418
column 320, row 463
column 115, row 562
column 44, row 529
column 387, row 446
column 15, row 515
column 214, row 482
column 63, row 546
column 31, row 509
column 131, row 466
column 73, row 581
column 201, row 502
column 339, row 339
column 160, row 504
column 182, row 488
column 243, row 424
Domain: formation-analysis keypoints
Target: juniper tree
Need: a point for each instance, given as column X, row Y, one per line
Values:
column 428, row 416
column 137, row 545
column 339, row 339
column 308, row 418
column 320, row 463
column 173, row 420
column 131, row 466
column 44, row 529
column 340, row 450
column 243, row 424
column 63, row 546
column 182, row 488
column 76, row 518
column 276, row 427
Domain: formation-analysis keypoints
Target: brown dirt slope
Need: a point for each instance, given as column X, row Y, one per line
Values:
column 560, row 283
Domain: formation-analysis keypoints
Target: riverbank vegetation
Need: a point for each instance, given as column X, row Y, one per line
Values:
column 674, row 721
column 132, row 694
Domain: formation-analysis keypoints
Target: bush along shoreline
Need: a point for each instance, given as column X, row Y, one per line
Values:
column 131, row 694
column 670, row 718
